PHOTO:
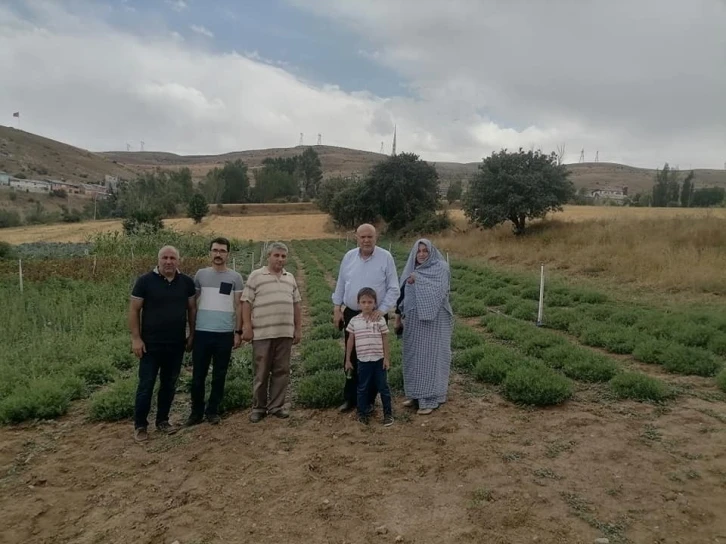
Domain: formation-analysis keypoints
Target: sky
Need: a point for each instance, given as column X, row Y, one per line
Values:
column 640, row 82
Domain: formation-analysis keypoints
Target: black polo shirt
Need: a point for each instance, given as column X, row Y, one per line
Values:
column 164, row 311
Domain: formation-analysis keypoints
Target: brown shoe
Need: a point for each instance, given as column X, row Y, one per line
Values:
column 166, row 427
column 282, row 414
column 141, row 434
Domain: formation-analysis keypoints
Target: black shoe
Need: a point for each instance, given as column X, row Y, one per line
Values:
column 346, row 407
column 214, row 419
column 387, row 420
column 256, row 417
column 364, row 420
column 166, row 427
column 194, row 420
column 282, row 414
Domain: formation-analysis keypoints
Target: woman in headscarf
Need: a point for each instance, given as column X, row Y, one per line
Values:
column 424, row 312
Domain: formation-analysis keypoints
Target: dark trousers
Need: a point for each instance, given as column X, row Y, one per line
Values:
column 350, row 392
column 214, row 348
column 372, row 376
column 166, row 361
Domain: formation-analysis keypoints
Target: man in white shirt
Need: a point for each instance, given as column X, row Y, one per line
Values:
column 365, row 266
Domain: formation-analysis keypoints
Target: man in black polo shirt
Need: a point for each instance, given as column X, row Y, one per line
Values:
column 162, row 302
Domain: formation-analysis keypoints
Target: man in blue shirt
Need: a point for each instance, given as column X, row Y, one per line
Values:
column 365, row 266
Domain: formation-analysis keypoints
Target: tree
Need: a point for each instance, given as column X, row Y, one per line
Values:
column 353, row 205
column 229, row 184
column 328, row 189
column 515, row 187
column 454, row 191
column 197, row 207
column 708, row 196
column 311, row 172
column 666, row 189
column 687, row 190
column 272, row 184
column 402, row 187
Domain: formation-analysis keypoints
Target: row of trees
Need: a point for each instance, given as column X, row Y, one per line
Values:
column 670, row 191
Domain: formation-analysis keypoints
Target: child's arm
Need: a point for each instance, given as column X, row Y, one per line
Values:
column 386, row 351
column 349, row 351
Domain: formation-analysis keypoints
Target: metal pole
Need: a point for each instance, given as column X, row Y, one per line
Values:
column 541, row 296
column 20, row 274
column 447, row 258
column 234, row 264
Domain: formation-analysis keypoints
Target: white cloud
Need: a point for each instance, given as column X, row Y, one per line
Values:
column 199, row 29
column 79, row 80
column 177, row 5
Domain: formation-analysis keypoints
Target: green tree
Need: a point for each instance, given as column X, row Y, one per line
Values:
column 328, row 189
column 227, row 185
column 311, row 172
column 687, row 190
column 708, row 196
column 515, row 187
column 666, row 189
column 197, row 207
column 456, row 188
column 402, row 187
column 272, row 184
column 353, row 205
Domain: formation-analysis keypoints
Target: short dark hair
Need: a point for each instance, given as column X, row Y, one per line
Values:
column 368, row 292
column 221, row 241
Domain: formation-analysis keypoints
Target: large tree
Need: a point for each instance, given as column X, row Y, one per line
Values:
column 687, row 190
column 229, row 184
column 517, row 186
column 272, row 184
column 403, row 187
column 311, row 172
column 666, row 189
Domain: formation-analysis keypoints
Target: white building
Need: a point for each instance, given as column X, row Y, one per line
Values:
column 30, row 185
column 4, row 178
column 616, row 194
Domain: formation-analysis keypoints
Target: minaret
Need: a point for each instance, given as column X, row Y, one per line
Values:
column 393, row 149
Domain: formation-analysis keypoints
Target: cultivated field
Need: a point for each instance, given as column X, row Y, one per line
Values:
column 608, row 422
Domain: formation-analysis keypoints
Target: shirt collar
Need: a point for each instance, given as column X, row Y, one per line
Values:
column 266, row 271
column 156, row 271
column 362, row 258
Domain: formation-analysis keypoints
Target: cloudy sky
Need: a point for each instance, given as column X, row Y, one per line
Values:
column 641, row 81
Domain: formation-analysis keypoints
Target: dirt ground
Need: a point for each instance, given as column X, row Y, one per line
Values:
column 478, row 470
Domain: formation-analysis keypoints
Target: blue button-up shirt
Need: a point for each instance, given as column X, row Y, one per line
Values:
column 377, row 271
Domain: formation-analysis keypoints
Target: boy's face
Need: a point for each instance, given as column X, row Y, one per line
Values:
column 366, row 304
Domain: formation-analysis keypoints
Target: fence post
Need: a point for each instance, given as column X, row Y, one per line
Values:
column 540, row 310
column 447, row 258
column 234, row 264
column 20, row 274
column 93, row 272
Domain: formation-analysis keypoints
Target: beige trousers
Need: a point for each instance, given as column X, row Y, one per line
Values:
column 272, row 374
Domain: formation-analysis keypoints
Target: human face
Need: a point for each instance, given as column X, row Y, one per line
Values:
column 366, row 304
column 366, row 237
column 219, row 254
column 168, row 262
column 422, row 254
column 276, row 260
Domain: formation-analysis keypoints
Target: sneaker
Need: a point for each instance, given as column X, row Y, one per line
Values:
column 387, row 420
column 141, row 434
column 193, row 420
column 214, row 419
column 256, row 417
column 282, row 414
column 166, row 427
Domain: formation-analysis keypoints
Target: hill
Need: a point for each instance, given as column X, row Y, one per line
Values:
column 35, row 156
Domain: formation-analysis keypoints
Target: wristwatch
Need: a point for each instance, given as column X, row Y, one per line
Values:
column 239, row 331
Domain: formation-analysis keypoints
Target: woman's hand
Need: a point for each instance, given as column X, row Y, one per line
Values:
column 412, row 278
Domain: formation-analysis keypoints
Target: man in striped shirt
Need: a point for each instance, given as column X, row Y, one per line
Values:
column 272, row 321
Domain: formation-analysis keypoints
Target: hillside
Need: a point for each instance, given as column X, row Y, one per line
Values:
column 36, row 156
column 39, row 158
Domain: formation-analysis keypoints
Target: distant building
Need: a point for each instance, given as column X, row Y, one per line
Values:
column 615, row 194
column 94, row 189
column 29, row 185
column 4, row 178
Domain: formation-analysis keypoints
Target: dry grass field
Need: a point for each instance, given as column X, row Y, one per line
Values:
column 667, row 249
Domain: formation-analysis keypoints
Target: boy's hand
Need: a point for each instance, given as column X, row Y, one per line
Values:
column 348, row 366
column 386, row 364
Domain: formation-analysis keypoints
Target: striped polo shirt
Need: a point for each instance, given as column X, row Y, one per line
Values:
column 217, row 292
column 272, row 299
column 368, row 337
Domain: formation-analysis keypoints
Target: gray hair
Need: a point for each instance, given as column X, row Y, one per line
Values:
column 163, row 249
column 276, row 246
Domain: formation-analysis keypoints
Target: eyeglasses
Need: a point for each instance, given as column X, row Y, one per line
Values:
column 222, row 251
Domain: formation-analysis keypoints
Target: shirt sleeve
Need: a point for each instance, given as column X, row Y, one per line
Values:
column 239, row 284
column 382, row 326
column 191, row 288
column 339, row 292
column 350, row 328
column 392, row 289
column 248, row 293
column 296, row 297
column 139, row 290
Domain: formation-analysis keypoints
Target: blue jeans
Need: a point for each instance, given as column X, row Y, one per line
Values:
column 166, row 361
column 214, row 348
column 371, row 375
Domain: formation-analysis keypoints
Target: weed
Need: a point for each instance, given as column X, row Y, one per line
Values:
column 115, row 403
column 481, row 496
column 632, row 385
column 547, row 474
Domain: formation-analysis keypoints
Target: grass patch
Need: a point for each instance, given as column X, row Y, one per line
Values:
column 96, row 372
column 42, row 398
column 237, row 395
column 115, row 403
column 464, row 338
column 492, row 369
column 329, row 358
column 636, row 386
column 536, row 385
column 325, row 332
column 321, row 390
column 721, row 380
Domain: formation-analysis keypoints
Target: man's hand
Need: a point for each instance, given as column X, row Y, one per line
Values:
column 386, row 363
column 375, row 315
column 237, row 340
column 348, row 365
column 247, row 335
column 138, row 347
column 297, row 335
column 338, row 317
column 190, row 343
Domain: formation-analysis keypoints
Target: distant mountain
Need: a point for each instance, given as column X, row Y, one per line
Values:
column 35, row 156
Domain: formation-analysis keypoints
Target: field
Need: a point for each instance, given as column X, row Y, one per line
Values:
column 606, row 422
